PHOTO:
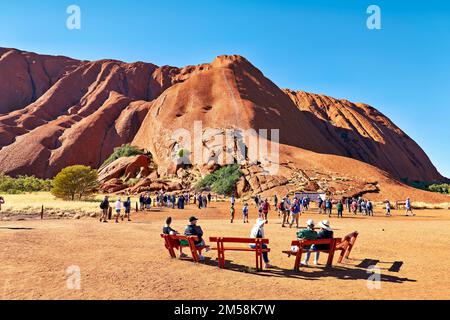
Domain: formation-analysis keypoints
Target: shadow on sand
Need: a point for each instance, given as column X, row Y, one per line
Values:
column 343, row 271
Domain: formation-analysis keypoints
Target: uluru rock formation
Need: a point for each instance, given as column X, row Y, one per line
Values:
column 58, row 111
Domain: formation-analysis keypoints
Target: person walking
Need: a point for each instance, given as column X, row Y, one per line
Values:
column 340, row 208
column 409, row 207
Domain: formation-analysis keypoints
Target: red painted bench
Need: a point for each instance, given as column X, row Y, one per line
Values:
column 221, row 248
column 346, row 245
column 172, row 242
column 304, row 245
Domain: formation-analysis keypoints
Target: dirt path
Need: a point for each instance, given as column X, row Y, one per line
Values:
column 129, row 261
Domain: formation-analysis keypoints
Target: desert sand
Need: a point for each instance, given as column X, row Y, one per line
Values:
column 128, row 260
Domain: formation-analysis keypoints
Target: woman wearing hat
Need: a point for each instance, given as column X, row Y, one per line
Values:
column 325, row 233
column 258, row 232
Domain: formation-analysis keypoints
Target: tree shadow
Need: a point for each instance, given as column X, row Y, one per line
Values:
column 16, row 228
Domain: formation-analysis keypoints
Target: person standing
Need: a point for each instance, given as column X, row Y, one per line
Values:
column 200, row 201
column 2, row 201
column 328, row 207
column 141, row 202
column 104, row 205
column 265, row 210
column 295, row 211
column 209, row 197
column 408, row 207
column 275, row 201
column 388, row 208
column 245, row 213
column 348, row 203
column 118, row 207
column 369, row 207
column 127, row 206
column 319, row 204
column 232, row 212
column 340, row 208
column 148, row 202
column 286, row 210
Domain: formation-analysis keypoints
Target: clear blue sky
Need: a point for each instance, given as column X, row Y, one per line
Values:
column 321, row 46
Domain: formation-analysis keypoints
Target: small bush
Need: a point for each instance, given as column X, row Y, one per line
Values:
column 75, row 182
column 124, row 151
column 223, row 181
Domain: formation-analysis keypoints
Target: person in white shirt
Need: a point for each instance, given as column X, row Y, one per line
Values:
column 118, row 207
column 409, row 207
column 388, row 208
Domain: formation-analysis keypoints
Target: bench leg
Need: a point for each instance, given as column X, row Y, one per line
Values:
column 331, row 253
column 193, row 250
column 298, row 259
column 341, row 256
column 349, row 249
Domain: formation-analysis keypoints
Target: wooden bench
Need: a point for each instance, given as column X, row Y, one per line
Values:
column 304, row 245
column 346, row 245
column 172, row 242
column 221, row 248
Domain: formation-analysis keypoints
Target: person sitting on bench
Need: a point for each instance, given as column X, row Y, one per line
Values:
column 325, row 233
column 258, row 232
column 168, row 230
column 193, row 229
column 306, row 234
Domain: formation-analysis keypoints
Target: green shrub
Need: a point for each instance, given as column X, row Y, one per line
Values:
column 75, row 182
column 441, row 188
column 23, row 184
column 120, row 152
column 223, row 181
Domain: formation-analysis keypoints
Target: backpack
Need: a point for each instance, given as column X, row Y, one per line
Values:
column 102, row 205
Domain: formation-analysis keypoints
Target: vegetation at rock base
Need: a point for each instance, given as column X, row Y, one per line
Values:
column 222, row 181
column 22, row 184
column 75, row 182
column 126, row 150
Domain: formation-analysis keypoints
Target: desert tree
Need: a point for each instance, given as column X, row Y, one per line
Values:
column 75, row 182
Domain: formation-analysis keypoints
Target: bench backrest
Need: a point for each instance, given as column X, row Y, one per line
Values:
column 304, row 243
column 179, row 237
column 351, row 237
column 239, row 240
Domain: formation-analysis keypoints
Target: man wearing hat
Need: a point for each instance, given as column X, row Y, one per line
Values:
column 307, row 234
column 325, row 233
column 193, row 229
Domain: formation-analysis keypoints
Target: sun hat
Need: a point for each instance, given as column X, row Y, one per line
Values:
column 310, row 222
column 325, row 224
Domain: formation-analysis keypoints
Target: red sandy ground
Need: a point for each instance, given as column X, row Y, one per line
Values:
column 129, row 261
